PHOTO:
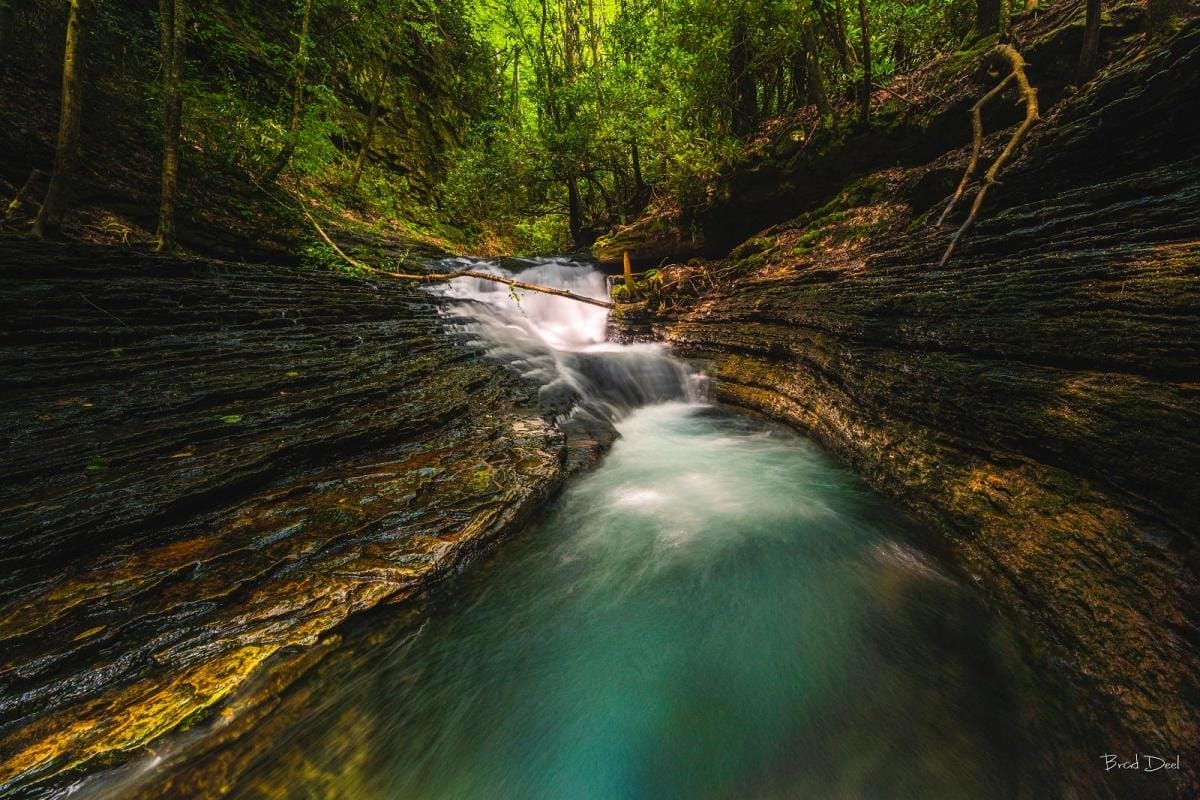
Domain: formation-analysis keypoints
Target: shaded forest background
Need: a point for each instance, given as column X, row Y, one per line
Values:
column 492, row 126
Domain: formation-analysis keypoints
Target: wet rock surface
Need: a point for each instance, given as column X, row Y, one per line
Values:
column 206, row 469
column 1036, row 399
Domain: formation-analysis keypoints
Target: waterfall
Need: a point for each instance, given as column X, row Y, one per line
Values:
column 715, row 609
column 561, row 345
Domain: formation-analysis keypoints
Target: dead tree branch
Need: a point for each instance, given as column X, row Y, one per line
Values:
column 434, row 277
column 22, row 195
column 895, row 94
column 1016, row 66
column 487, row 276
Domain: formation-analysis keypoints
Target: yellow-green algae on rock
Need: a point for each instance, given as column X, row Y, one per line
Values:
column 1035, row 398
column 207, row 558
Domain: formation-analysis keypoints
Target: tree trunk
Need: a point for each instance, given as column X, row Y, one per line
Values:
column 743, row 89
column 813, row 76
column 781, row 89
column 289, row 145
column 572, row 56
column 172, row 32
column 987, row 17
column 572, row 46
column 796, row 68
column 8, row 21
column 516, row 84
column 841, row 44
column 770, row 82
column 593, row 33
column 1091, row 42
column 640, row 194
column 361, row 161
column 865, row 107
column 49, row 219
column 574, row 212
column 833, row 28
column 23, row 194
column 900, row 52
column 639, row 183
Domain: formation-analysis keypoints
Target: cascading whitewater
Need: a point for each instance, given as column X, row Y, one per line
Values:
column 713, row 610
column 561, row 345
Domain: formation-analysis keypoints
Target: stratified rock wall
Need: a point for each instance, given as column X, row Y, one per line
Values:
column 208, row 466
column 1037, row 398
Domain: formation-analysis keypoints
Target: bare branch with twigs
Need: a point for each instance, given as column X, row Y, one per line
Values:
column 1029, row 96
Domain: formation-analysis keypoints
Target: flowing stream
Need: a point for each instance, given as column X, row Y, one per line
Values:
column 715, row 611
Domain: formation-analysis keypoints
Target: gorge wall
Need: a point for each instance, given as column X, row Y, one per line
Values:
column 208, row 467
column 1036, row 398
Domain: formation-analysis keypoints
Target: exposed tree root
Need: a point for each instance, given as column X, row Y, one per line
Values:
column 1029, row 95
column 976, row 146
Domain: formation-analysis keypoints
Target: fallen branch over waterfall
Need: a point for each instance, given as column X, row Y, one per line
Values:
column 433, row 277
column 487, row 276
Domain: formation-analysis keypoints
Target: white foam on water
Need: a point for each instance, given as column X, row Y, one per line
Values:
column 562, row 344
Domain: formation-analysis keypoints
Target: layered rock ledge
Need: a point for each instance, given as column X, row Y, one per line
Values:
column 206, row 468
column 1037, row 399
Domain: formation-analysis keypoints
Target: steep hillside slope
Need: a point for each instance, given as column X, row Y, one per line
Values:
column 418, row 100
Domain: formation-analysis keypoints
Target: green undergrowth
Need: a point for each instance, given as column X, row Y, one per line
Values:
column 648, row 289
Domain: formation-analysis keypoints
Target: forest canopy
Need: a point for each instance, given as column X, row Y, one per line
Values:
column 501, row 125
column 600, row 105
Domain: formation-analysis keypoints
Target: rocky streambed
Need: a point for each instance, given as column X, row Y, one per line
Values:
column 717, row 608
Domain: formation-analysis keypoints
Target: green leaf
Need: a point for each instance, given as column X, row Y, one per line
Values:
column 97, row 464
column 231, row 419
